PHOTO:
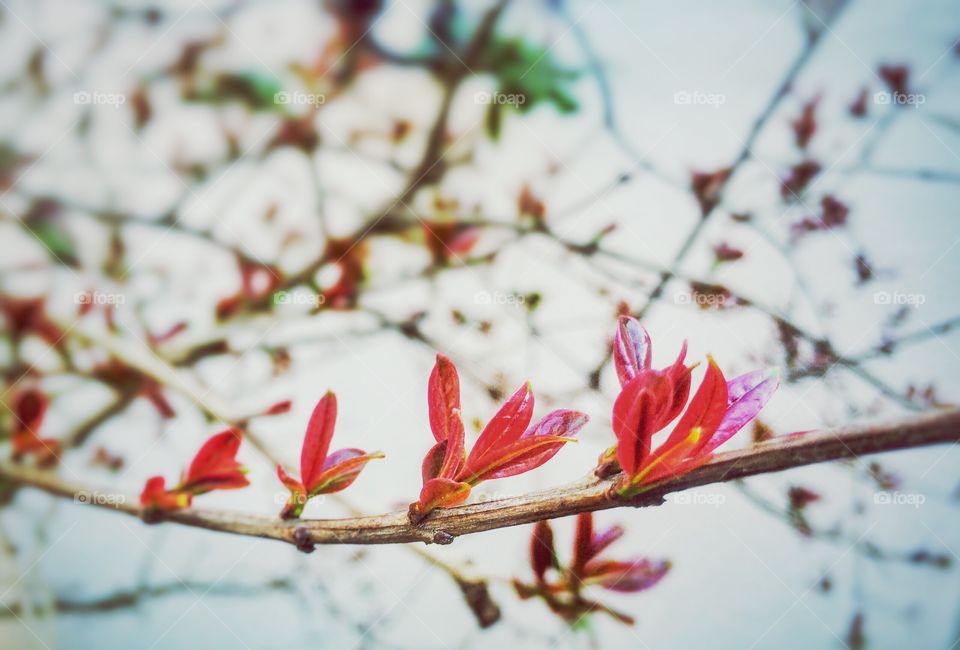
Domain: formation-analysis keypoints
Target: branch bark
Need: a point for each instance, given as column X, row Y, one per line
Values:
column 589, row 494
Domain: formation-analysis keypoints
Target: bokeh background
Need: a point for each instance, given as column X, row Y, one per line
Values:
column 261, row 200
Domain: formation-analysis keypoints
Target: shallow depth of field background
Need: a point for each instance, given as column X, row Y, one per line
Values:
column 742, row 577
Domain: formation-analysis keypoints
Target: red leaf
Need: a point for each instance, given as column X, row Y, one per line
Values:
column 707, row 187
column 535, row 447
column 46, row 451
column 859, row 106
column 443, row 401
column 724, row 252
column 672, row 462
column 231, row 480
column 298, row 495
column 215, row 466
column 156, row 339
column 439, row 493
column 806, row 125
column 433, row 461
column 543, row 555
column 288, row 481
column 156, row 497
column 505, row 427
column 153, row 392
column 279, row 408
column 896, row 77
column 582, row 543
column 637, row 413
column 706, row 409
column 800, row 497
column 316, row 441
column 322, row 473
column 835, row 212
column 679, row 374
column 30, row 408
column 800, row 176
column 529, row 204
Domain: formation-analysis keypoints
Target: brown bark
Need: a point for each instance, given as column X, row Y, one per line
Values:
column 589, row 494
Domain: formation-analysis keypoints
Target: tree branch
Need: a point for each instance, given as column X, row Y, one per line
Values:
column 589, row 494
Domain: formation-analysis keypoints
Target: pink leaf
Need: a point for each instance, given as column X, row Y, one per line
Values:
column 604, row 539
column 627, row 577
column 631, row 349
column 340, row 470
column 748, row 394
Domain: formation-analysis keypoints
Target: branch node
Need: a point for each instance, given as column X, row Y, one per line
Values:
column 414, row 515
column 302, row 539
column 150, row 516
column 442, row 537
